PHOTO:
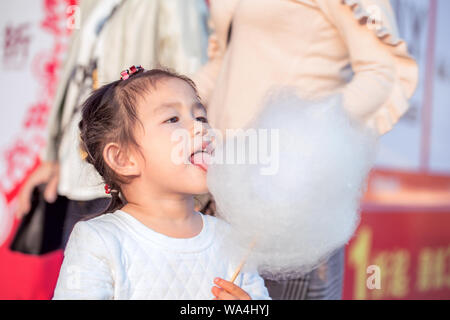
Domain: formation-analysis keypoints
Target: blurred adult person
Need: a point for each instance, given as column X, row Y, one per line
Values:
column 319, row 47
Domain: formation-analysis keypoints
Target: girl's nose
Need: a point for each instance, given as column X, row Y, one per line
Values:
column 199, row 128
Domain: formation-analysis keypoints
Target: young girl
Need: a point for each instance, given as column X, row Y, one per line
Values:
column 150, row 243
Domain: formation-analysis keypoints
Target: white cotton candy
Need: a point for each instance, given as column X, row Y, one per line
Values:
column 299, row 215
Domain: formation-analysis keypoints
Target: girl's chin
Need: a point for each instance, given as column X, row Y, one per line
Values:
column 193, row 180
column 198, row 188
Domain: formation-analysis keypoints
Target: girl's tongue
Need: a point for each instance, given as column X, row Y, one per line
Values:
column 201, row 159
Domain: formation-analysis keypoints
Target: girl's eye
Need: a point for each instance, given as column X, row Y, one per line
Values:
column 202, row 119
column 172, row 120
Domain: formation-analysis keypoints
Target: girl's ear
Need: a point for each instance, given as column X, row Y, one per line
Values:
column 120, row 161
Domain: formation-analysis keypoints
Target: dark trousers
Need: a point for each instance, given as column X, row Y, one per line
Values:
column 323, row 283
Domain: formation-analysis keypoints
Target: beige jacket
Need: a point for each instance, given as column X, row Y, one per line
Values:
column 308, row 44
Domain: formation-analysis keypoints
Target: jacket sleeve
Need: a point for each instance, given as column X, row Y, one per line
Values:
column 253, row 284
column 385, row 75
column 49, row 152
column 85, row 272
column 206, row 77
column 181, row 36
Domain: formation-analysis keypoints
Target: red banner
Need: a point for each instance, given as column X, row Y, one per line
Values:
column 403, row 239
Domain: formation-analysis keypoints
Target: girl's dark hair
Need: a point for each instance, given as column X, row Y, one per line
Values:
column 109, row 114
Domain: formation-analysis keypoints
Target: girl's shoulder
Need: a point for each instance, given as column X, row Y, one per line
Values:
column 96, row 237
column 105, row 228
column 109, row 222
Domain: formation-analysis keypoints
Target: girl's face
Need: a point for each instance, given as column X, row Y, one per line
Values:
column 175, row 140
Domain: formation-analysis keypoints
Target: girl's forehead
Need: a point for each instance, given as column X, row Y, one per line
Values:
column 171, row 89
column 170, row 93
column 192, row 104
column 173, row 83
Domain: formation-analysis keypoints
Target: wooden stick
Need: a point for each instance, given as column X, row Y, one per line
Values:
column 238, row 269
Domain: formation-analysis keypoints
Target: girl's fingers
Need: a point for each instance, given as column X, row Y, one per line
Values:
column 221, row 294
column 232, row 289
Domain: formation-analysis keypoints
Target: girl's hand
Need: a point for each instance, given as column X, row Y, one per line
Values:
column 228, row 291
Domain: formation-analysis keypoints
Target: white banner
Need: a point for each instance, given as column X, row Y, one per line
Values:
column 33, row 37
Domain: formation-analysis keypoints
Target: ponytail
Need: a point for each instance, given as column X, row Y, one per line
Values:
column 116, row 203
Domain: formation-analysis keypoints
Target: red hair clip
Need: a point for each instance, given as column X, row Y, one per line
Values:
column 108, row 189
column 125, row 74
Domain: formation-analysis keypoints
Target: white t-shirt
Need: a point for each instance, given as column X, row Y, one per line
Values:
column 115, row 256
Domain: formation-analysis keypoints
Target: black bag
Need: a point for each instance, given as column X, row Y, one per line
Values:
column 41, row 230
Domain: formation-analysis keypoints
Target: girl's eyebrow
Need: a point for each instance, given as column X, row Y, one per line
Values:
column 177, row 105
column 198, row 105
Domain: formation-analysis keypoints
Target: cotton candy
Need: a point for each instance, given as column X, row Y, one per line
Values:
column 304, row 207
